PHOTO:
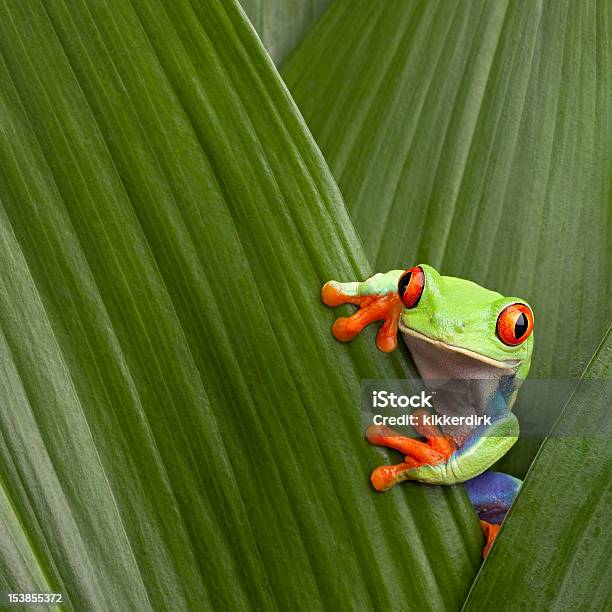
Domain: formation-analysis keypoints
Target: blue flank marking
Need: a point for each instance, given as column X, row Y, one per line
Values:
column 492, row 494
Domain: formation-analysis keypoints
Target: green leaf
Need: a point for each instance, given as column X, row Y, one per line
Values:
column 554, row 547
column 474, row 137
column 179, row 430
column 281, row 24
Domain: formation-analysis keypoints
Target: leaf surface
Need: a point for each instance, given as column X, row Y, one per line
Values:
column 178, row 429
column 281, row 24
column 475, row 136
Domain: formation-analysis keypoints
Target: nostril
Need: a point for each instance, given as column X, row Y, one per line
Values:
column 460, row 327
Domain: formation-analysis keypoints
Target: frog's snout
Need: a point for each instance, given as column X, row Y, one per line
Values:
column 453, row 328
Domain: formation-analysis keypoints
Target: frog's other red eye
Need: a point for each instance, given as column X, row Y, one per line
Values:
column 514, row 324
column 410, row 286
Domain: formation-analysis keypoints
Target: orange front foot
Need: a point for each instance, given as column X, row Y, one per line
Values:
column 437, row 449
column 491, row 530
column 385, row 307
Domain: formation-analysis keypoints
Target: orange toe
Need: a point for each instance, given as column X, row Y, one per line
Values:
column 385, row 476
column 378, row 434
column 331, row 295
column 344, row 330
column 386, row 344
column 491, row 530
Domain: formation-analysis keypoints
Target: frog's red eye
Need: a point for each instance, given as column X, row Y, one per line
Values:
column 514, row 324
column 410, row 286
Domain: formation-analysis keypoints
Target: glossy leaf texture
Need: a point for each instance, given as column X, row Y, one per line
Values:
column 281, row 24
column 475, row 136
column 178, row 429
column 554, row 547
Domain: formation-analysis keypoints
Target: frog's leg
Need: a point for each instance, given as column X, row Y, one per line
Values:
column 378, row 300
column 492, row 494
column 438, row 449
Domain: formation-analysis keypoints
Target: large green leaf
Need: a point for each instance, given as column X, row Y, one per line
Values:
column 281, row 24
column 178, row 428
column 475, row 136
column 554, row 548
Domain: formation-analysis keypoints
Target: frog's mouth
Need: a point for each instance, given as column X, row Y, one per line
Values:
column 464, row 381
column 441, row 360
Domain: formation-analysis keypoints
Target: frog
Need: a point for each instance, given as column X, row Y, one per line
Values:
column 454, row 330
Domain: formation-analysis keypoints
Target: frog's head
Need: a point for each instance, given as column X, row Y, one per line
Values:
column 456, row 329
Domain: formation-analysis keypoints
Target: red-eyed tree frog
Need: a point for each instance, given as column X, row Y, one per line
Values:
column 454, row 329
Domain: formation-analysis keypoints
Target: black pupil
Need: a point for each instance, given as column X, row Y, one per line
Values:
column 403, row 283
column 520, row 327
